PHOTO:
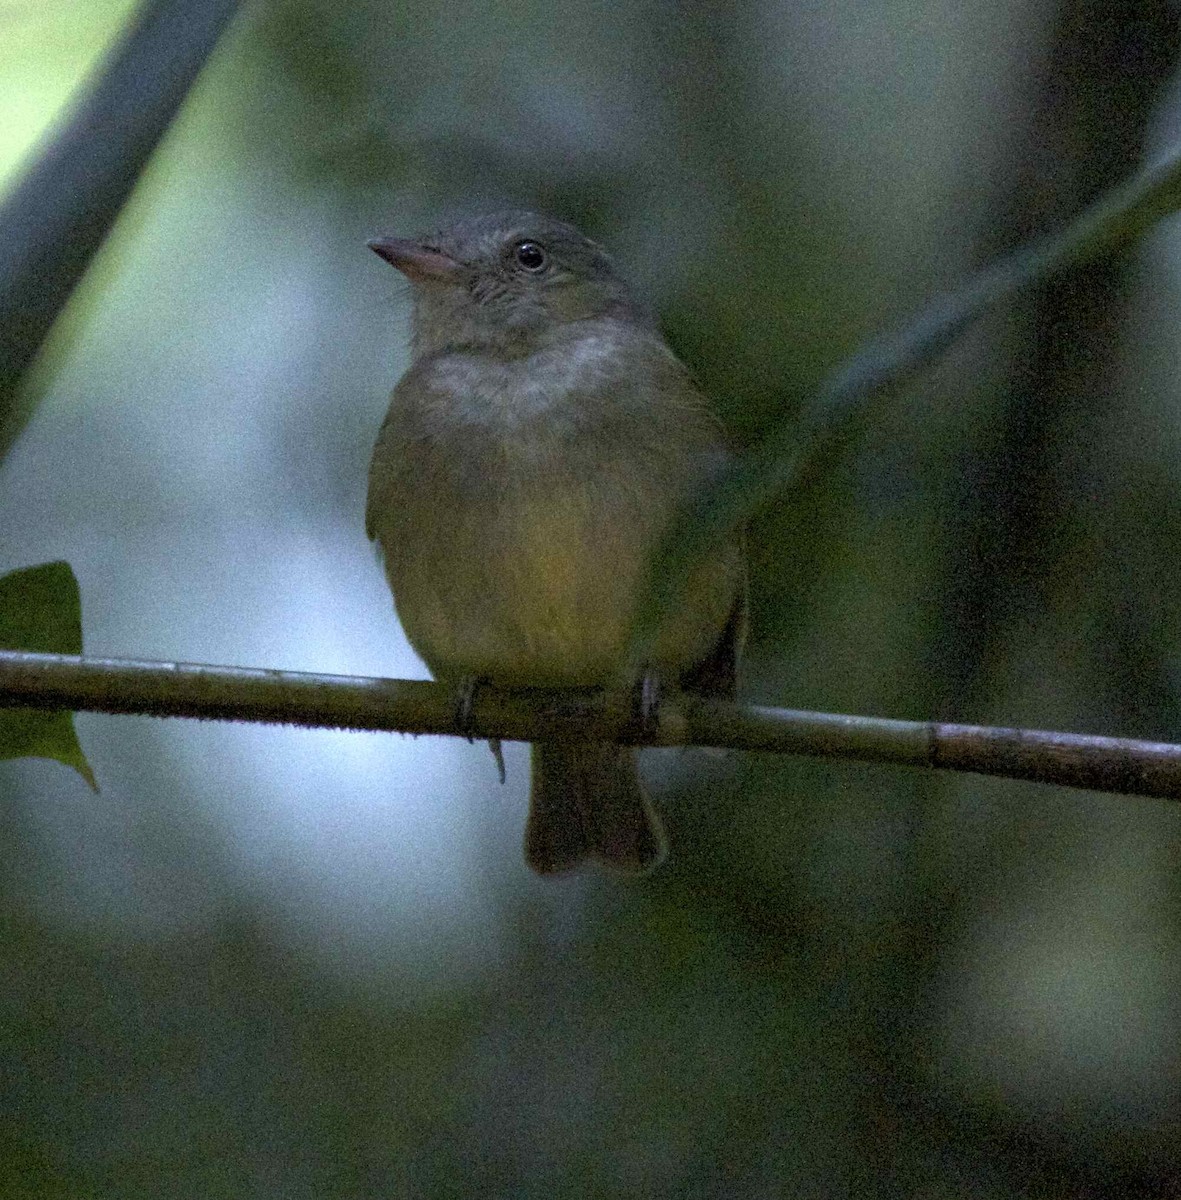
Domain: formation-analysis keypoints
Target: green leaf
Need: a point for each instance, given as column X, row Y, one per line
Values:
column 794, row 449
column 41, row 610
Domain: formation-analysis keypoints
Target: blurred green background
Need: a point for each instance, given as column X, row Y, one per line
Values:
column 274, row 963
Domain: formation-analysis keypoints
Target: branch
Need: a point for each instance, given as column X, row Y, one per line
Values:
column 156, row 689
column 794, row 447
column 58, row 215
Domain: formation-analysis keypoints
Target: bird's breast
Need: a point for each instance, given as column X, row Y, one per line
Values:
column 518, row 504
column 521, row 576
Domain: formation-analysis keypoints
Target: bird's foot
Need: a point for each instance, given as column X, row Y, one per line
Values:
column 498, row 754
column 465, row 701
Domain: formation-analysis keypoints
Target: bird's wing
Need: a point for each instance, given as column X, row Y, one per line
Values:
column 717, row 674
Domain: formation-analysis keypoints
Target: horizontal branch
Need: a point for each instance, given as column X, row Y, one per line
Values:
column 411, row 706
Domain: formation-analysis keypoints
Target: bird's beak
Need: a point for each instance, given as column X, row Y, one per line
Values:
column 420, row 263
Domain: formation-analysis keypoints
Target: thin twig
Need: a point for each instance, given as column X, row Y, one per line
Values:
column 1121, row 765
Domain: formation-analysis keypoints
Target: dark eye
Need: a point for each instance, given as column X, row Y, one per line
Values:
column 530, row 256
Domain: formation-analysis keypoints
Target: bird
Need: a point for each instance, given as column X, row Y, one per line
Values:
column 534, row 454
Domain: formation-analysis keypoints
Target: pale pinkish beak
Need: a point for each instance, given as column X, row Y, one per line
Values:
column 416, row 261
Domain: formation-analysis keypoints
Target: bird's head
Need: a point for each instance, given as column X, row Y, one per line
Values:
column 505, row 283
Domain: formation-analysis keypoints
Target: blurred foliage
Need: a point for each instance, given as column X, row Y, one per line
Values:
column 806, row 444
column 58, row 214
column 40, row 609
column 848, row 981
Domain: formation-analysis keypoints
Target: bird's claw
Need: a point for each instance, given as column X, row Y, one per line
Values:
column 465, row 701
column 498, row 754
column 464, row 718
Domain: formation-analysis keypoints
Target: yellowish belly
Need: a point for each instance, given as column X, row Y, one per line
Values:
column 544, row 598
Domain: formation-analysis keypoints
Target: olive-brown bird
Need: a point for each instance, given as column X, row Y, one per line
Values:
column 533, row 455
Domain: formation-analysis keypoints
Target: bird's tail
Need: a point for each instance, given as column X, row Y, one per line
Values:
column 586, row 802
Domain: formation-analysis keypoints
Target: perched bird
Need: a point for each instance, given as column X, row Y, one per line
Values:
column 533, row 456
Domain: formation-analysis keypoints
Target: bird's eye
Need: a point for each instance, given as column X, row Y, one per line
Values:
column 530, row 256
